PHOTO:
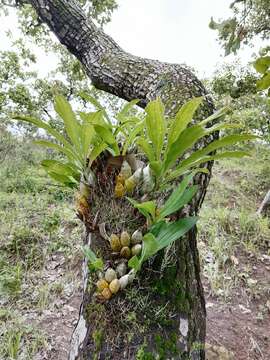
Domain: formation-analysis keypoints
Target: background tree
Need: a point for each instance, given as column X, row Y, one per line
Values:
column 250, row 20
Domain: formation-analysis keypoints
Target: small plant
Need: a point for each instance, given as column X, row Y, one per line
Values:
column 103, row 162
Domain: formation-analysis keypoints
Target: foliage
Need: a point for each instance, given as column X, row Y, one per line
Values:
column 100, row 10
column 251, row 18
column 262, row 66
column 164, row 146
column 94, row 262
column 236, row 85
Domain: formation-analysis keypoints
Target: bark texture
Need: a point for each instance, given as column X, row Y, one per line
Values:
column 177, row 285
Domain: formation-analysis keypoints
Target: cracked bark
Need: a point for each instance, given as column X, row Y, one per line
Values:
column 115, row 71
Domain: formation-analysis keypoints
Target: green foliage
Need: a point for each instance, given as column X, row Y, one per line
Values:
column 83, row 139
column 250, row 19
column 162, row 231
column 177, row 139
column 94, row 262
column 250, row 110
column 262, row 66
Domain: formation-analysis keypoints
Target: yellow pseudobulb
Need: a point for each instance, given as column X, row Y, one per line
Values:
column 120, row 179
column 119, row 190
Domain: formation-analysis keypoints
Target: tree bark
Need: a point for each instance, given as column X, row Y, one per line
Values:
column 163, row 314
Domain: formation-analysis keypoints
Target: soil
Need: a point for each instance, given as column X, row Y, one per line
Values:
column 242, row 325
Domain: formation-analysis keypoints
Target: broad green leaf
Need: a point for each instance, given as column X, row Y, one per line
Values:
column 185, row 141
column 218, row 127
column 150, row 246
column 146, row 148
column 218, row 114
column 97, row 150
column 137, row 129
column 181, row 170
column 87, row 134
column 182, row 119
column 42, row 125
column 105, row 133
column 94, row 118
column 60, row 168
column 134, row 263
column 64, row 110
column 171, row 232
column 156, row 166
column 95, row 263
column 264, row 82
column 70, row 154
column 155, row 125
column 184, row 200
column 217, row 144
column 63, row 179
column 96, row 104
column 122, row 115
column 146, row 208
column 107, row 136
column 174, row 202
column 262, row 64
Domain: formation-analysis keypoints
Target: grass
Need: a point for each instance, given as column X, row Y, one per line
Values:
column 36, row 221
column 228, row 221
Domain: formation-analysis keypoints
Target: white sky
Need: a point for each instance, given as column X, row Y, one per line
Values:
column 173, row 30
column 168, row 30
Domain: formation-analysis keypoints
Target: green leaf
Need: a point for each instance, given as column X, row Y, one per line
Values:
column 122, row 115
column 217, row 144
column 42, row 125
column 186, row 140
column 171, row 232
column 96, row 104
column 87, row 134
column 97, row 150
column 131, row 137
column 264, row 82
column 94, row 118
column 70, row 154
column 155, row 125
column 146, row 208
column 150, row 246
column 182, row 119
column 177, row 199
column 64, row 110
column 156, row 166
column 107, row 136
column 95, row 263
column 63, row 179
column 134, row 263
column 218, row 114
column 262, row 64
column 146, row 148
column 62, row 169
column 225, row 155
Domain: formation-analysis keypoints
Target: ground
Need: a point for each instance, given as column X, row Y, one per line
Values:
column 40, row 259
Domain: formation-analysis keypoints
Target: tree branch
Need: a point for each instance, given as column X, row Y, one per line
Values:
column 111, row 68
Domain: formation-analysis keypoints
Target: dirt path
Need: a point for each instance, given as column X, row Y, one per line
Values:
column 242, row 325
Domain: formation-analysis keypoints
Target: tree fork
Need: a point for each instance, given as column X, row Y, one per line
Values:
column 176, row 286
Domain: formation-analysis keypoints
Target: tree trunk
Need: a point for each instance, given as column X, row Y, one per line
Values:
column 162, row 315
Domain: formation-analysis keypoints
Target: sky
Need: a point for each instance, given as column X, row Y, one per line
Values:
column 175, row 31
